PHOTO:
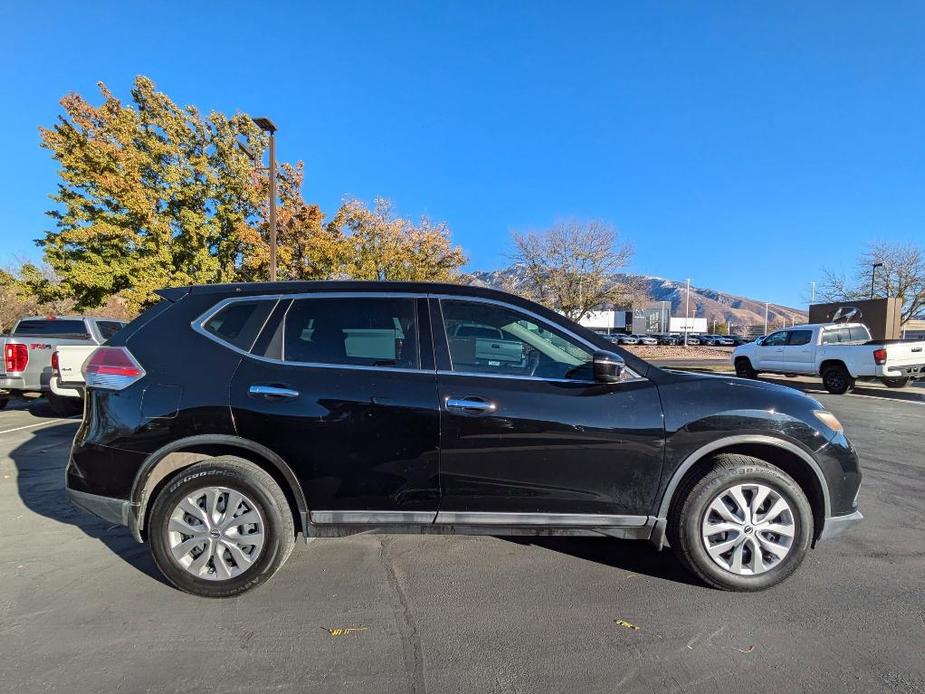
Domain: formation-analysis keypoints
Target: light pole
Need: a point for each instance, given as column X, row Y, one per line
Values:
column 269, row 127
column 765, row 317
column 687, row 311
column 813, row 292
column 873, row 274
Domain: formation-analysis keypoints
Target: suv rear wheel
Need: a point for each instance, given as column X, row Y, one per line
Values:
column 220, row 528
column 895, row 382
column 745, row 525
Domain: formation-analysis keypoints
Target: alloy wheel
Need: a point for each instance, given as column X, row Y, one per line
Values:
column 748, row 529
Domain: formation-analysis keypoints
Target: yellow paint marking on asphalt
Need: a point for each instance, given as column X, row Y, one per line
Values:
column 38, row 424
column 626, row 625
column 343, row 631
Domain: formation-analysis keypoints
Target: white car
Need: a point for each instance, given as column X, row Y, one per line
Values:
column 645, row 340
column 841, row 353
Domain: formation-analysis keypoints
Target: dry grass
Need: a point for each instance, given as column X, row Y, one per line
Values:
column 693, row 352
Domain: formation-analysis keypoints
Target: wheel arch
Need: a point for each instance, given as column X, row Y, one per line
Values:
column 177, row 455
column 825, row 364
column 788, row 456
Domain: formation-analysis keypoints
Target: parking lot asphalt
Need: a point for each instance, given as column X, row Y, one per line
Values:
column 83, row 609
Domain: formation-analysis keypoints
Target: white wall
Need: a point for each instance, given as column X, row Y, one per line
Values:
column 694, row 325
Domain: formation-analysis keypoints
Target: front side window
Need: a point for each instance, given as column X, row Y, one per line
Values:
column 800, row 337
column 108, row 328
column 352, row 331
column 492, row 339
column 776, row 339
column 239, row 322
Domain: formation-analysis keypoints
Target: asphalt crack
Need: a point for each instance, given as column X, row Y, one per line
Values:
column 412, row 654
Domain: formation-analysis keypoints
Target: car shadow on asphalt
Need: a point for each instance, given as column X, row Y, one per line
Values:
column 635, row 556
column 40, row 463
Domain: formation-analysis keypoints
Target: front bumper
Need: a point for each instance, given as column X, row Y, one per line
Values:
column 836, row 525
column 109, row 509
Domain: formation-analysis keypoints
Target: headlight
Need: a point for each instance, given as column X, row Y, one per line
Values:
column 830, row 420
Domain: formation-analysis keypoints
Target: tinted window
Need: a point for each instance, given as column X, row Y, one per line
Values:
column 836, row 336
column 519, row 346
column 800, row 337
column 108, row 328
column 858, row 333
column 776, row 339
column 52, row 328
column 352, row 331
column 239, row 322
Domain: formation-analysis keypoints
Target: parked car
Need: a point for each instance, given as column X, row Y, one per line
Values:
column 841, row 353
column 690, row 339
column 624, row 339
column 28, row 349
column 227, row 419
column 645, row 339
column 740, row 340
column 716, row 340
column 667, row 339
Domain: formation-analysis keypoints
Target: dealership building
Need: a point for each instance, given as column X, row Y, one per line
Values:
column 653, row 318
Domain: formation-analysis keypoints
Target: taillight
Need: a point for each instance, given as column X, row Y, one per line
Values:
column 54, row 364
column 112, row 368
column 15, row 357
column 880, row 356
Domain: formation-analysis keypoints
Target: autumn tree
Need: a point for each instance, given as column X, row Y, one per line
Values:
column 572, row 267
column 375, row 244
column 151, row 194
column 901, row 275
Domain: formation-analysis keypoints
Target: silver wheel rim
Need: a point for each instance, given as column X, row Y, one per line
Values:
column 215, row 533
column 748, row 529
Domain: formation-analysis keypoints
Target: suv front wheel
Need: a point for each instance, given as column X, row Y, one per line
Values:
column 745, row 525
column 220, row 528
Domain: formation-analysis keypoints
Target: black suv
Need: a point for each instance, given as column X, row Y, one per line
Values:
column 228, row 419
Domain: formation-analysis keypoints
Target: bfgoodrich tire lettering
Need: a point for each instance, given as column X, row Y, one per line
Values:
column 262, row 499
column 693, row 504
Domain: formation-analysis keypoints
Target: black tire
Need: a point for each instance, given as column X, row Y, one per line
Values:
column 691, row 505
column 744, row 368
column 244, row 477
column 895, row 382
column 837, row 380
column 64, row 407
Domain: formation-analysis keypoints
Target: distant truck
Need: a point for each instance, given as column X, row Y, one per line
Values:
column 27, row 354
column 841, row 353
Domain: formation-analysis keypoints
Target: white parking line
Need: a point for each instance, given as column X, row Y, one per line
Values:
column 38, row 424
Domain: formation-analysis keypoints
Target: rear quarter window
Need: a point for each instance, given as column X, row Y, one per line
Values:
column 239, row 323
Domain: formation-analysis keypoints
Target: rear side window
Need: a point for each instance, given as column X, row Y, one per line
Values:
column 352, row 331
column 858, row 333
column 240, row 322
column 800, row 337
column 52, row 328
column 836, row 336
column 108, row 328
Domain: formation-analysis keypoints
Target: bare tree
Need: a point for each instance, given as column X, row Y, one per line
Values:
column 571, row 267
column 901, row 275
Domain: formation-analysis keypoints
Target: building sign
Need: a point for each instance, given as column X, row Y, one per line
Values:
column 691, row 325
column 881, row 316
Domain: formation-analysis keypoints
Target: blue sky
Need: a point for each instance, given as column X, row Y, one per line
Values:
column 745, row 145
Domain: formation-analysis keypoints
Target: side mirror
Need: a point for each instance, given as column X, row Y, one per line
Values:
column 608, row 367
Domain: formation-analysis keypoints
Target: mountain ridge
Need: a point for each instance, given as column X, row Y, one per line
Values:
column 712, row 304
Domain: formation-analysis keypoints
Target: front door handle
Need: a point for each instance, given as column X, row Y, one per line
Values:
column 272, row 392
column 470, row 404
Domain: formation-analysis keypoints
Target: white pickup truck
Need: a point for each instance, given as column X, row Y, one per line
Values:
column 841, row 353
column 27, row 366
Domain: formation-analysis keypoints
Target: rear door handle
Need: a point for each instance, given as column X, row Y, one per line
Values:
column 470, row 404
column 272, row 392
